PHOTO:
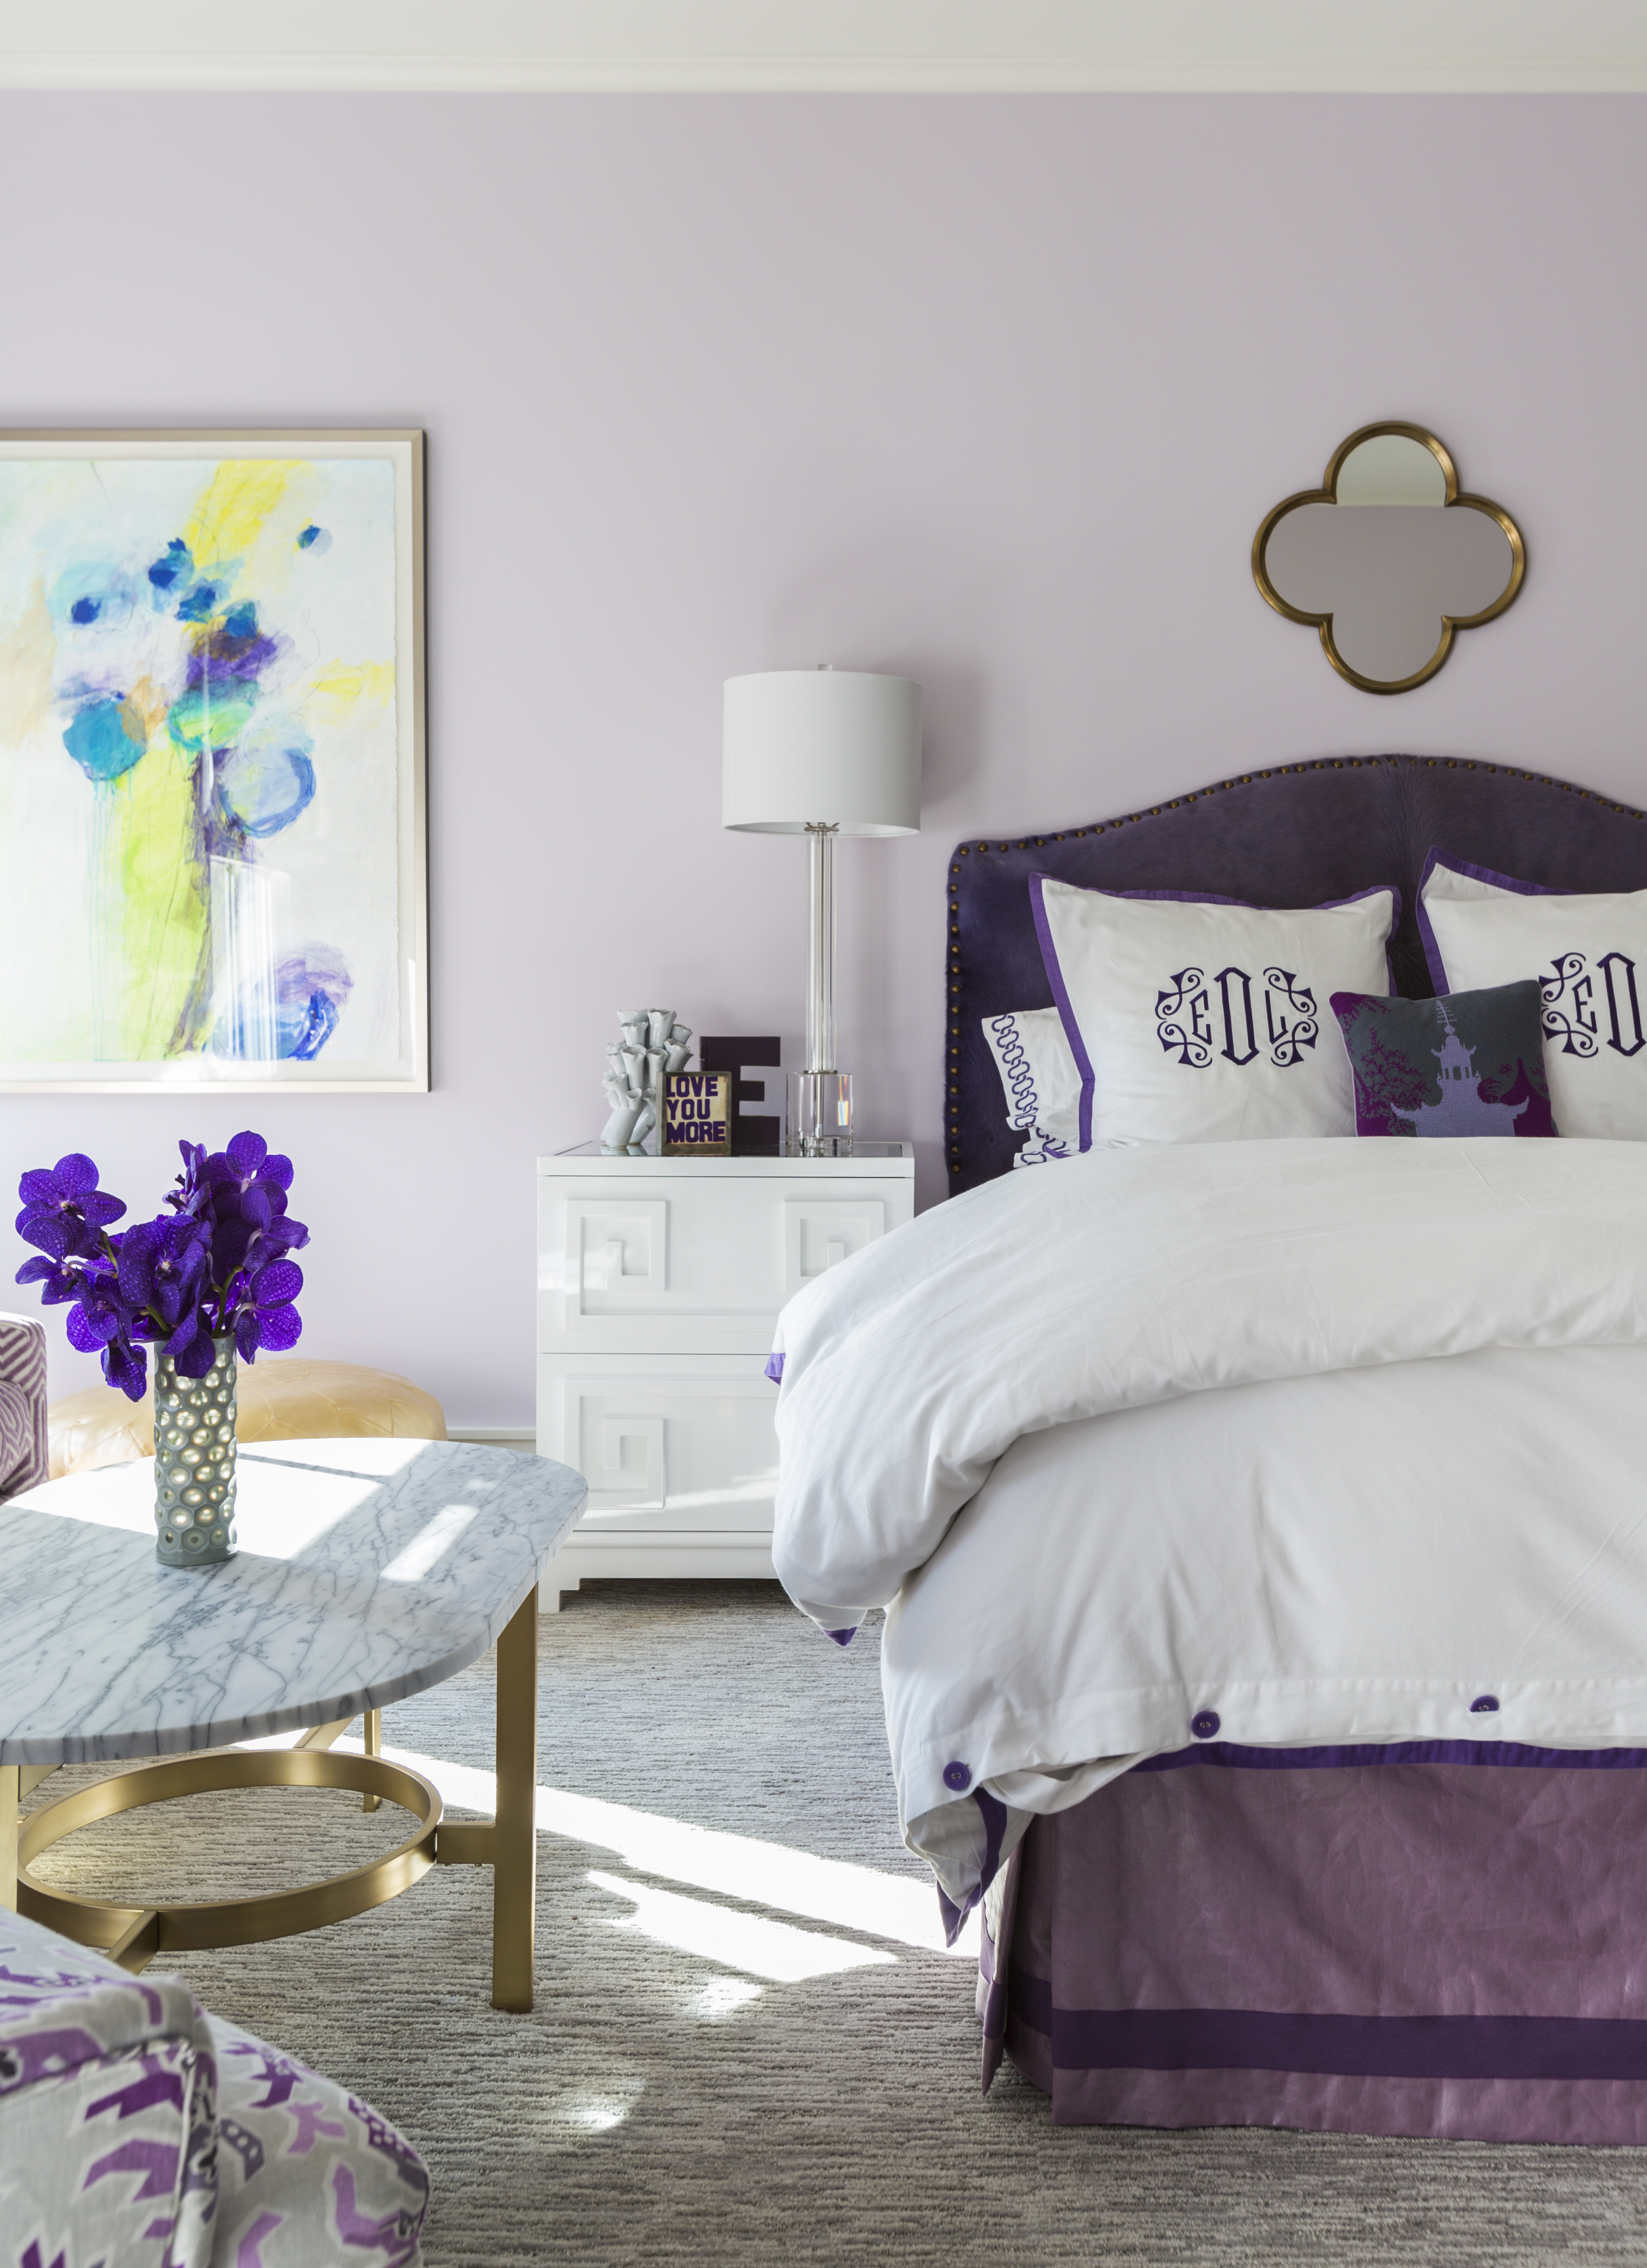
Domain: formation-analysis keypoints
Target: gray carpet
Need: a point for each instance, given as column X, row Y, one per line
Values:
column 655, row 2108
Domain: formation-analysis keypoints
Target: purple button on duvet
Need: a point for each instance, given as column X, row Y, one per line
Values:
column 958, row 1776
column 1205, row 1723
column 1483, row 1705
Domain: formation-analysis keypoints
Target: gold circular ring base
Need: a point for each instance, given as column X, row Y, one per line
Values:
column 140, row 1931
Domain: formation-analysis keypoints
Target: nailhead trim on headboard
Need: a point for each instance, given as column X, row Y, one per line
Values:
column 1313, row 846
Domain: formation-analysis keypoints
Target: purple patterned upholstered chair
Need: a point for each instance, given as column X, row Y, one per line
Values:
column 138, row 2131
column 22, row 1451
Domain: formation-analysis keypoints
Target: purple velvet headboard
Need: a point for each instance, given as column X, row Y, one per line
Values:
column 1297, row 835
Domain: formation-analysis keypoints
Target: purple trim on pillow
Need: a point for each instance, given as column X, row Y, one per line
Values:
column 1361, row 2047
column 1427, row 936
column 1173, row 897
column 1212, row 898
column 774, row 1369
column 1233, row 1755
column 1060, row 991
column 1061, row 997
column 842, row 1638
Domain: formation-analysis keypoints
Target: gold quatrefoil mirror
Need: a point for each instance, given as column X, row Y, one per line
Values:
column 1388, row 558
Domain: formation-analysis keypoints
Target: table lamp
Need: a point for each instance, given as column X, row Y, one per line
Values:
column 821, row 752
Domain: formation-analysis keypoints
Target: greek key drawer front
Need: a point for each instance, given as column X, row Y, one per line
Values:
column 692, row 1265
column 662, row 1452
column 820, row 1232
column 617, row 1256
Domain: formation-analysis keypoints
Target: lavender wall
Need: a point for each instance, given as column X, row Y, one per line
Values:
column 988, row 391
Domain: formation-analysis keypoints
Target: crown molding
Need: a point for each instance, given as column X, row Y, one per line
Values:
column 857, row 47
column 836, row 74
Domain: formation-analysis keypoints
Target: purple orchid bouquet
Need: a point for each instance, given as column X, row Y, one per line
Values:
column 213, row 1263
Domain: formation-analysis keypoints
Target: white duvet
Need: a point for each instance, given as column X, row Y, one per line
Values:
column 1191, row 1407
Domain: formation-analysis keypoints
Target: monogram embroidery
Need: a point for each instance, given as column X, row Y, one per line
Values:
column 1181, row 1019
column 1625, row 976
column 1292, row 1026
column 1568, row 993
column 1228, row 979
column 1187, row 1024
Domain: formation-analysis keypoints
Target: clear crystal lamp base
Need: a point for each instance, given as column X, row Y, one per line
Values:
column 820, row 1096
column 820, row 1114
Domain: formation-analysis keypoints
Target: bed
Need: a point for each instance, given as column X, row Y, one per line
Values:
column 1261, row 1531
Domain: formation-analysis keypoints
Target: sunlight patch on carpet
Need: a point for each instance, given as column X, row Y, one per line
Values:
column 774, row 1950
column 724, row 1996
column 899, row 1907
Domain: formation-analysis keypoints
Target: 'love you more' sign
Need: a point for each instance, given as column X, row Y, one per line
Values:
column 697, row 1113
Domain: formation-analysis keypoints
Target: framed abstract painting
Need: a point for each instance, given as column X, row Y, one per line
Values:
column 212, row 863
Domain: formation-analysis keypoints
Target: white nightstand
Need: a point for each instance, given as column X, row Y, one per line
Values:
column 659, row 1281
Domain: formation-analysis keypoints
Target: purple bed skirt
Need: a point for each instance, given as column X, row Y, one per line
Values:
column 1434, row 1939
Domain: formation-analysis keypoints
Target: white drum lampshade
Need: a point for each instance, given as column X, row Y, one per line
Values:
column 821, row 752
column 836, row 747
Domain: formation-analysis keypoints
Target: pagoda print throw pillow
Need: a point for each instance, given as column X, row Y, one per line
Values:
column 1472, row 1062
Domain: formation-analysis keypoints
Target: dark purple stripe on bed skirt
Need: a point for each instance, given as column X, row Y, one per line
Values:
column 1362, row 2047
column 1234, row 1757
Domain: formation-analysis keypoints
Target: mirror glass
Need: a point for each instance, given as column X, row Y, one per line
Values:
column 1388, row 559
column 1390, row 469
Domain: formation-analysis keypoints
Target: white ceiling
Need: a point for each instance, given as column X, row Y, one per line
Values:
column 939, row 46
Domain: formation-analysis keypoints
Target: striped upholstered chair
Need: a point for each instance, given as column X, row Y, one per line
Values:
column 23, row 1452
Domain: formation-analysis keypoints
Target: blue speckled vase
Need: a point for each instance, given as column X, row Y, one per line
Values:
column 193, row 1460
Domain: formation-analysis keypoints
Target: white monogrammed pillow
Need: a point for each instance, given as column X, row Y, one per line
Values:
column 1200, row 1020
column 1041, row 1084
column 1588, row 953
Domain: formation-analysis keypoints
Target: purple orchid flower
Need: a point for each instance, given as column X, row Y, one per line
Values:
column 98, row 1315
column 267, row 1319
column 60, row 1283
column 162, row 1269
column 189, row 1188
column 64, row 1208
column 214, row 1263
column 248, row 1162
column 127, row 1368
column 101, row 1323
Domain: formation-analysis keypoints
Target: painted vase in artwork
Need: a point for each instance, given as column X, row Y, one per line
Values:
column 194, row 1459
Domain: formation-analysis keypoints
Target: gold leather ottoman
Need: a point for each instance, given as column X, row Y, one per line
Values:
column 282, row 1397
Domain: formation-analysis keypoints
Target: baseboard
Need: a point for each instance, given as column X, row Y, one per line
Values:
column 522, row 1439
column 684, row 1555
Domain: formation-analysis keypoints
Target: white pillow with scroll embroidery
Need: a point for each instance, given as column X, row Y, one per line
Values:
column 1588, row 951
column 1040, row 1082
column 1201, row 1020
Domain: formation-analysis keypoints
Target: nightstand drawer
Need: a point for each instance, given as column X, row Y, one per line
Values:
column 659, row 1265
column 685, row 1444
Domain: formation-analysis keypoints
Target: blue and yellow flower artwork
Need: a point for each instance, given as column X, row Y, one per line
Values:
column 208, row 761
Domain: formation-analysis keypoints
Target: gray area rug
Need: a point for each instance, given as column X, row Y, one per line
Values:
column 664, row 2104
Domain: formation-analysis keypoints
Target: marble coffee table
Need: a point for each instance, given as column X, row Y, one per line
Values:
column 368, row 1570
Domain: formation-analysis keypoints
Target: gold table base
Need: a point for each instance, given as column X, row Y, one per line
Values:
column 134, row 1935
